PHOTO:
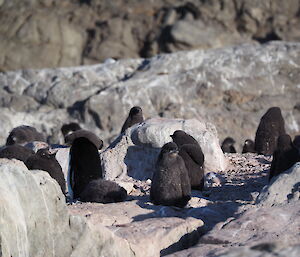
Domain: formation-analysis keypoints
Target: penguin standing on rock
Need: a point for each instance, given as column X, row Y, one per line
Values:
column 191, row 153
column 170, row 183
column 86, row 134
column 86, row 175
column 45, row 160
column 248, row 146
column 69, row 128
column 181, row 138
column 23, row 135
column 284, row 157
column 271, row 126
column 16, row 151
column 228, row 145
column 135, row 116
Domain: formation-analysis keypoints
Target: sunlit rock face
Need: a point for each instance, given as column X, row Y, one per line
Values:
column 34, row 219
column 135, row 152
column 230, row 87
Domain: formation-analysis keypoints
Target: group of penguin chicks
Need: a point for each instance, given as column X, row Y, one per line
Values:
column 271, row 139
column 179, row 166
column 85, row 178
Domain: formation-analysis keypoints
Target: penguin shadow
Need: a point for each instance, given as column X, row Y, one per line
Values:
column 225, row 204
column 246, row 191
column 210, row 215
column 135, row 161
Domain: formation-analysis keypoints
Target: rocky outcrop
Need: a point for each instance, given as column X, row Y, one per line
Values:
column 229, row 87
column 256, row 228
column 135, row 152
column 35, row 222
column 222, row 220
column 266, row 225
column 39, row 34
column 264, row 250
column 282, row 188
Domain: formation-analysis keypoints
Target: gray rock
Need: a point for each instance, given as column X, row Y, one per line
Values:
column 229, row 87
column 150, row 230
column 72, row 33
column 198, row 34
column 135, row 152
column 251, row 232
column 282, row 188
column 264, row 250
column 33, row 210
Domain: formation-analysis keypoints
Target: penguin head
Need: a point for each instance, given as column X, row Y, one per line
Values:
column 46, row 153
column 135, row 110
column 170, row 148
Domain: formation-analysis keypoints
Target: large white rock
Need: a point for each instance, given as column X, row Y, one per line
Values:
column 34, row 220
column 135, row 152
column 283, row 188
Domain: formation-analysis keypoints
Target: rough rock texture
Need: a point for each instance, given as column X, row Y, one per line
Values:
column 34, row 220
column 150, row 230
column 277, row 226
column 233, row 224
column 38, row 34
column 286, row 183
column 135, row 152
column 264, row 250
column 230, row 87
column 250, row 230
column 220, row 220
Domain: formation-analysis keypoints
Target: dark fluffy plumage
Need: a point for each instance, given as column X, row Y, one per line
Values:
column 24, row 134
column 103, row 191
column 248, row 146
column 228, row 145
column 69, row 128
column 193, row 157
column 16, row 151
column 170, row 183
column 86, row 134
column 135, row 116
column 296, row 141
column 44, row 160
column 182, row 138
column 271, row 126
column 85, row 164
column 284, row 157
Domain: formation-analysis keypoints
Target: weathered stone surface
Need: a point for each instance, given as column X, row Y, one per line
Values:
column 282, row 188
column 264, row 250
column 150, row 230
column 34, row 220
column 135, row 152
column 229, row 87
column 265, row 225
column 59, row 33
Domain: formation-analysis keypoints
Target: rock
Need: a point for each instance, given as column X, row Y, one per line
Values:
column 87, row 32
column 204, row 35
column 29, row 227
column 135, row 152
column 282, row 188
column 229, row 87
column 150, row 230
column 264, row 250
column 254, row 228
